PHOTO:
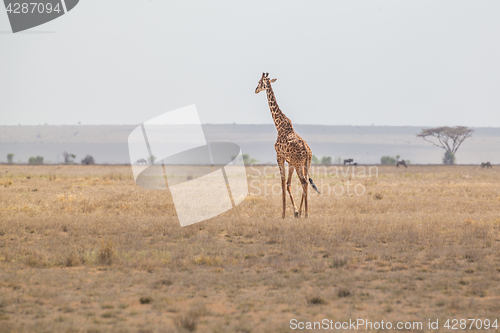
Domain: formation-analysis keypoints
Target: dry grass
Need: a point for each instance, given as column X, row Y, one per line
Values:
column 82, row 249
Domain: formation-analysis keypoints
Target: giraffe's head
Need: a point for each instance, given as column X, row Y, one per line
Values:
column 264, row 83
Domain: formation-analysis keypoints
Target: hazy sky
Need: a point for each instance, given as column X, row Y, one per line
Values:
column 337, row 62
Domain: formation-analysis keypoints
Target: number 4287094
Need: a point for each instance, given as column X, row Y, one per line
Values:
column 32, row 7
column 462, row 324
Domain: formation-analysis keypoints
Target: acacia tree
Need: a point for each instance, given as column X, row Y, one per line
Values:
column 68, row 158
column 448, row 138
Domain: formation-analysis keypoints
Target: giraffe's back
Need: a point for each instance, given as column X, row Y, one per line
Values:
column 294, row 148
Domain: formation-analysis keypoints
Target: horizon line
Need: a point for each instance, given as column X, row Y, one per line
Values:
column 249, row 124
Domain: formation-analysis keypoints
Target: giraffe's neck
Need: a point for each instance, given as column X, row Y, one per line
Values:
column 281, row 121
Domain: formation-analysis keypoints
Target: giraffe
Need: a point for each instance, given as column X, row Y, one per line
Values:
column 290, row 147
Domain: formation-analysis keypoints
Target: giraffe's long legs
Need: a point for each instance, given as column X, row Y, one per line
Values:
column 291, row 168
column 302, row 199
column 305, row 187
column 281, row 165
column 301, row 202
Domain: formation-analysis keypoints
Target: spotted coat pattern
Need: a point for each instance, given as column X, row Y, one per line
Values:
column 290, row 148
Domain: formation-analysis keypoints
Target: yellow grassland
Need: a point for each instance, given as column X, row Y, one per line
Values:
column 83, row 249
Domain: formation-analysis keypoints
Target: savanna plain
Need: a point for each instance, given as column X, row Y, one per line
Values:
column 83, row 249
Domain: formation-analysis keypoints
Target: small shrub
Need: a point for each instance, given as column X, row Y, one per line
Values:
column 387, row 160
column 88, row 160
column 35, row 160
column 378, row 196
column 108, row 314
column 316, row 300
column 145, row 300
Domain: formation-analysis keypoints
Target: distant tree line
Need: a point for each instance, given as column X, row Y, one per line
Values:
column 36, row 160
column 68, row 159
column 391, row 160
column 326, row 160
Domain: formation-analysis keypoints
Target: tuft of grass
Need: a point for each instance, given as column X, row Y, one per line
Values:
column 108, row 314
column 339, row 262
column 316, row 300
column 343, row 292
column 189, row 321
column 106, row 253
column 207, row 261
column 162, row 282
column 72, row 260
column 35, row 260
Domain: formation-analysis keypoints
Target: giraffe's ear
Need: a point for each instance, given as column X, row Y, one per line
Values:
column 273, row 80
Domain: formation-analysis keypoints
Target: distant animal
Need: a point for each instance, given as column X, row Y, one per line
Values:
column 402, row 162
column 355, row 164
column 486, row 165
column 290, row 147
column 348, row 161
column 141, row 161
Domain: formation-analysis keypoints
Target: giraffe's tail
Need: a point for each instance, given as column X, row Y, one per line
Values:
column 313, row 185
column 308, row 167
